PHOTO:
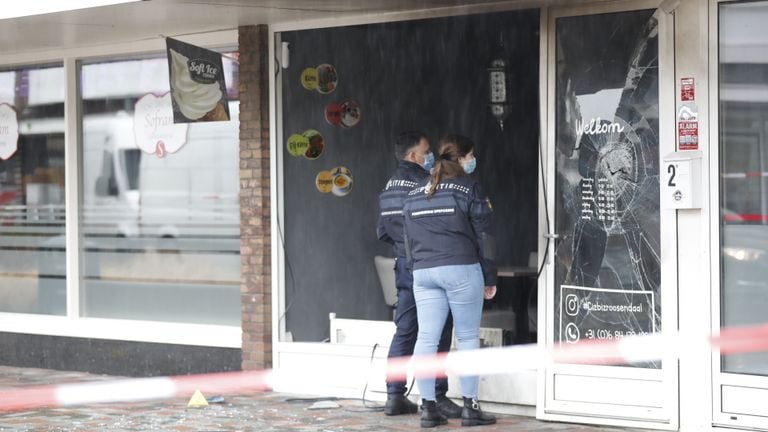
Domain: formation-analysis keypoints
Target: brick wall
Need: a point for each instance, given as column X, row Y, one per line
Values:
column 255, row 284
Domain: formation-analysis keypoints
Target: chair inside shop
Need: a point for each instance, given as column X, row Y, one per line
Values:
column 385, row 268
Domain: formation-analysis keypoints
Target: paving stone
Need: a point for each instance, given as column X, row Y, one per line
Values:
column 264, row 412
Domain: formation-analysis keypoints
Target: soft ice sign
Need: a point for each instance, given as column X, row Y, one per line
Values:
column 198, row 91
column 153, row 126
column 9, row 131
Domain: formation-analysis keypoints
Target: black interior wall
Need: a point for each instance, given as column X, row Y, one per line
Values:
column 429, row 75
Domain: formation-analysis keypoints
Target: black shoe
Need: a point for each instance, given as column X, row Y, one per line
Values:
column 431, row 415
column 398, row 404
column 472, row 415
column 448, row 407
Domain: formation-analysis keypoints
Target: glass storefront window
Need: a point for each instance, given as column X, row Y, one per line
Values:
column 160, row 229
column 32, row 216
column 743, row 82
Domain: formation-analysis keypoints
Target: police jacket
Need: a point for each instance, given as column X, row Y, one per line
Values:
column 452, row 227
column 390, row 226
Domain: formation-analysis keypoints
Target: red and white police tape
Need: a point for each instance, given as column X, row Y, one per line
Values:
column 132, row 390
column 488, row 361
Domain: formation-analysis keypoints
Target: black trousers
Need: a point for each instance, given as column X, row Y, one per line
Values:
column 408, row 328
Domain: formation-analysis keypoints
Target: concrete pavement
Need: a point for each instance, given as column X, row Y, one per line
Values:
column 267, row 412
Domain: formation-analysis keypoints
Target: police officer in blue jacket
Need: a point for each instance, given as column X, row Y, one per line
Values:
column 415, row 161
column 449, row 242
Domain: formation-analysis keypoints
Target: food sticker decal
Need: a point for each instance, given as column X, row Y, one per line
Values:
column 327, row 78
column 297, row 145
column 333, row 113
column 342, row 181
column 350, row 113
column 316, row 144
column 324, row 181
column 309, row 78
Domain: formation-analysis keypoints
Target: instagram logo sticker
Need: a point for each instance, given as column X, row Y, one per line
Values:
column 571, row 305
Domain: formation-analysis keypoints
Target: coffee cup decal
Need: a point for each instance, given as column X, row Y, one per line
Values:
column 342, row 181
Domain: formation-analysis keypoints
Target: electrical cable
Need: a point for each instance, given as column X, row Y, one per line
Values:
column 314, row 399
column 549, row 234
column 367, row 407
column 290, row 273
column 282, row 243
column 410, row 387
column 365, row 402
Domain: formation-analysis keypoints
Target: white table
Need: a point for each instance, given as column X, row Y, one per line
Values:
column 517, row 271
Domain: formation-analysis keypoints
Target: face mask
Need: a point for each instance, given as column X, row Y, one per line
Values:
column 469, row 167
column 429, row 161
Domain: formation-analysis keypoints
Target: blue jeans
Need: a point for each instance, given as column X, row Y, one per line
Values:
column 457, row 289
column 407, row 328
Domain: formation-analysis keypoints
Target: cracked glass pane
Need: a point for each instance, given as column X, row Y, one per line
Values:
column 607, row 274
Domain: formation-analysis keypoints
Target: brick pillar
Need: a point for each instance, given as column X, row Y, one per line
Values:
column 255, row 282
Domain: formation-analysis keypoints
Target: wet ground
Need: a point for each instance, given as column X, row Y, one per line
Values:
column 268, row 412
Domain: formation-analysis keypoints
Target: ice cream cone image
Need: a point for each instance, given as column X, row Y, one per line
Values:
column 218, row 113
column 196, row 101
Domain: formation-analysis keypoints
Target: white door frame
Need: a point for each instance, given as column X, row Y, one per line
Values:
column 657, row 404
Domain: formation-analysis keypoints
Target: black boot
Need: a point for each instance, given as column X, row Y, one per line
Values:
column 430, row 415
column 448, row 407
column 472, row 415
column 398, row 404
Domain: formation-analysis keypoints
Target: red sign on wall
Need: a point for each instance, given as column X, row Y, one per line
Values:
column 688, row 135
column 687, row 90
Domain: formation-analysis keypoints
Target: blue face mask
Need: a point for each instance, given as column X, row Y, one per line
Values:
column 469, row 167
column 429, row 161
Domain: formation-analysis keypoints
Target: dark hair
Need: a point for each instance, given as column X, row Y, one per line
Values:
column 447, row 166
column 406, row 141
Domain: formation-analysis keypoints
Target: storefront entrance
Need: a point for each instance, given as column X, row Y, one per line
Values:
column 613, row 271
column 342, row 97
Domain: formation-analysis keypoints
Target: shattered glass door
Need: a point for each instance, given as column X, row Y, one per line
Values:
column 608, row 267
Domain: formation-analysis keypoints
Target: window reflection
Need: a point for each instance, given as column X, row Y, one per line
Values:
column 32, row 216
column 744, row 173
column 161, row 231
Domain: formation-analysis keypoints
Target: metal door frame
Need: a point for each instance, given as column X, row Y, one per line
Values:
column 667, row 415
